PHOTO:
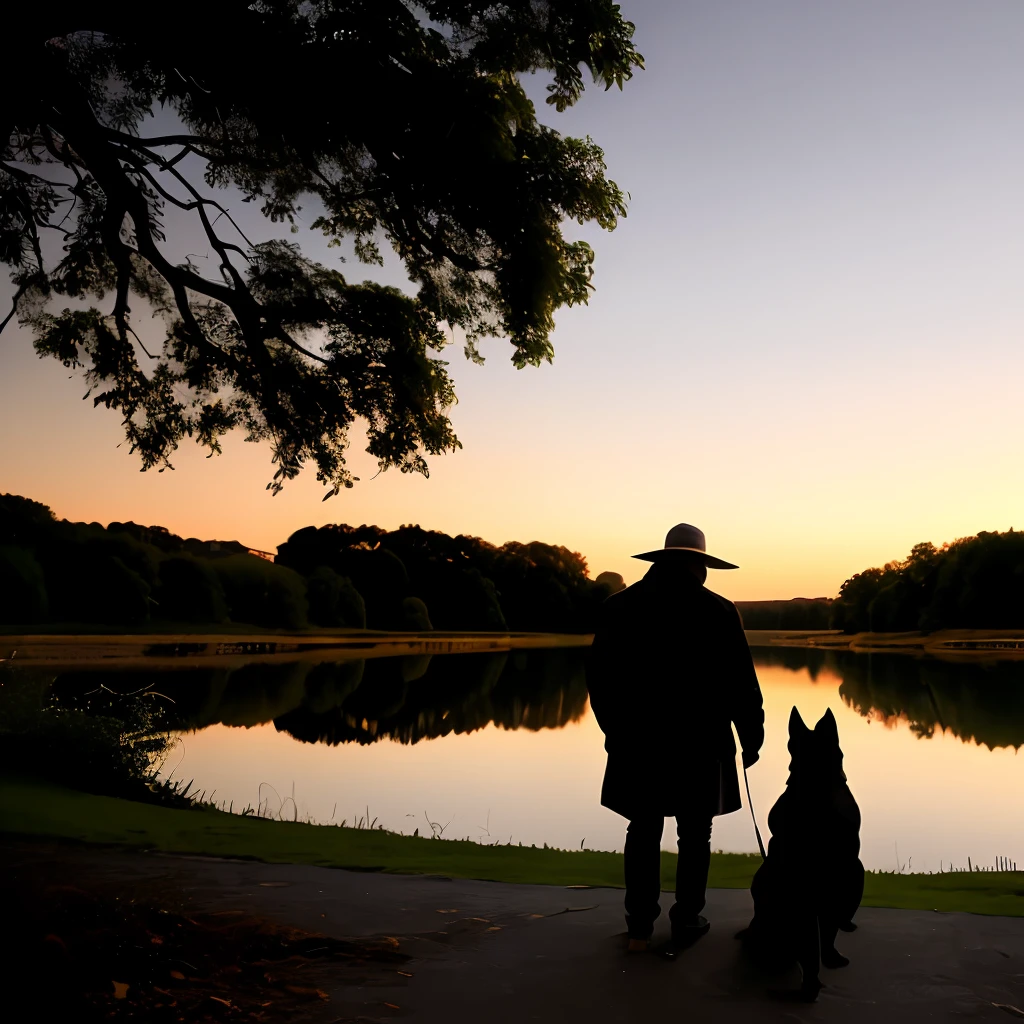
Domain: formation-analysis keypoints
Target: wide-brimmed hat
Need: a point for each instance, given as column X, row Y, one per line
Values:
column 685, row 538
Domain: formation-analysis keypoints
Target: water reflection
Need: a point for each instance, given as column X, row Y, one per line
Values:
column 977, row 701
column 412, row 698
column 524, row 759
column 407, row 699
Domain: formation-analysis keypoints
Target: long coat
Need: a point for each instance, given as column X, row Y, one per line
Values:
column 669, row 671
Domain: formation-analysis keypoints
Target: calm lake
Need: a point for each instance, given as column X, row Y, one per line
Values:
column 500, row 747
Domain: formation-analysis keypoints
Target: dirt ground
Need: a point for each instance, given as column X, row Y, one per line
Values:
column 207, row 939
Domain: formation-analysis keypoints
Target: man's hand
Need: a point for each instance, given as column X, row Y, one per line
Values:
column 750, row 757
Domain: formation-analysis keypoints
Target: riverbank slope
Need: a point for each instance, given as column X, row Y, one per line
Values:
column 31, row 808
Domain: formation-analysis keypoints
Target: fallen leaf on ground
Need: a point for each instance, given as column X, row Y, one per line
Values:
column 1013, row 1011
column 177, row 975
column 305, row 990
column 454, row 910
column 392, row 1006
column 121, row 990
column 223, row 1002
column 405, row 974
column 495, row 928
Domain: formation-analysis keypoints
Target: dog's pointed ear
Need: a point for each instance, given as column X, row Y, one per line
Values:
column 797, row 727
column 826, row 726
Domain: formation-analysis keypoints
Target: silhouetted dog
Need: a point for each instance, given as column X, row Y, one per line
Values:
column 812, row 881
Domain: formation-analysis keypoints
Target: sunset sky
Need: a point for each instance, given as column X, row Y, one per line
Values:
column 806, row 338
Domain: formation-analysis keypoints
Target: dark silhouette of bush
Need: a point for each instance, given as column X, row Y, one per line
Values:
column 24, row 522
column 333, row 600
column 87, row 584
column 23, row 597
column 376, row 572
column 189, row 590
column 445, row 572
column 613, row 581
column 83, row 736
column 262, row 593
column 415, row 616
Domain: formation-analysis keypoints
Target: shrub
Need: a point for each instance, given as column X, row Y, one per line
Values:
column 23, row 521
column 415, row 617
column 86, row 585
column 23, row 595
column 103, row 743
column 190, row 591
column 334, row 600
column 262, row 593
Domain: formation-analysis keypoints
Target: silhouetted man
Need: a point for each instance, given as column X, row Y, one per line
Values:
column 670, row 669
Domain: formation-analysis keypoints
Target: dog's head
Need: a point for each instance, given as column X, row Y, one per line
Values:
column 816, row 755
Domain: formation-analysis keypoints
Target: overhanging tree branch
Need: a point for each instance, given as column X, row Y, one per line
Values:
column 443, row 159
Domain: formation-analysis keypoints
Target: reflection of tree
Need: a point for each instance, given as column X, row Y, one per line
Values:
column 796, row 659
column 406, row 698
column 980, row 702
column 531, row 690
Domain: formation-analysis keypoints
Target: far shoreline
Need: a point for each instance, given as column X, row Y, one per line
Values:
column 234, row 648
column 955, row 643
column 230, row 645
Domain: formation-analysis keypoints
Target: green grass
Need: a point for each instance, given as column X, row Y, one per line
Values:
column 31, row 808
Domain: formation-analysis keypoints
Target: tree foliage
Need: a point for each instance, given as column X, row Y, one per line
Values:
column 335, row 577
column 797, row 613
column 972, row 583
column 397, row 124
column 465, row 582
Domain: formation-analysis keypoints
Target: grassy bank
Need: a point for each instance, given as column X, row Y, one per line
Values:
column 39, row 809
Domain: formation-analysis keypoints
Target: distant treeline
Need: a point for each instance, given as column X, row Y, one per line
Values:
column 973, row 583
column 799, row 613
column 334, row 577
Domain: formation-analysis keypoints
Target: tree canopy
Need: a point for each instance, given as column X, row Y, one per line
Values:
column 972, row 583
column 334, row 577
column 398, row 124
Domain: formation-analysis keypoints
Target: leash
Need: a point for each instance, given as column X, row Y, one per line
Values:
column 750, row 804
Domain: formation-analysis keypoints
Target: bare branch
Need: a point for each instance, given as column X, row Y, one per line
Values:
column 14, row 307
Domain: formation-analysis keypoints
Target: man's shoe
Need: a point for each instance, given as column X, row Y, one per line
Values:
column 684, row 936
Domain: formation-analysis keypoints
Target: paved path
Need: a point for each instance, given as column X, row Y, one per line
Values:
column 486, row 951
